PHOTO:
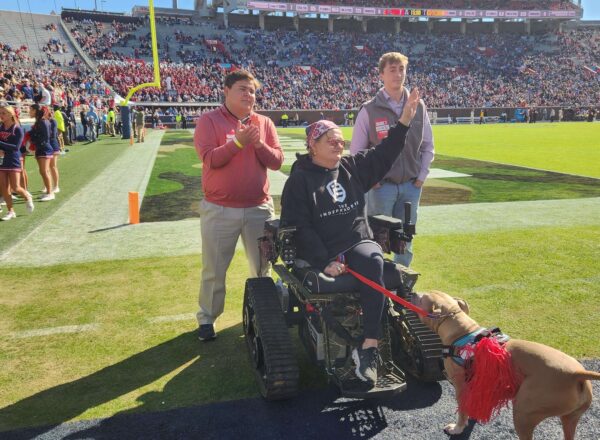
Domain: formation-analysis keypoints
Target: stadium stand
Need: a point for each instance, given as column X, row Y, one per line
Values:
column 487, row 66
column 42, row 35
column 300, row 70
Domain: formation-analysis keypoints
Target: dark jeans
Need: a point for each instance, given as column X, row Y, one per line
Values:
column 366, row 259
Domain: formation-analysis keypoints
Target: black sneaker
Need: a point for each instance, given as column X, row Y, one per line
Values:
column 366, row 364
column 207, row 332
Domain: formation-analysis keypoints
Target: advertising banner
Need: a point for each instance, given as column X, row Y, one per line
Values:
column 411, row 12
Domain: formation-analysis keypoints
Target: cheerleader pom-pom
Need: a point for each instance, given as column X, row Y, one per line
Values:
column 492, row 382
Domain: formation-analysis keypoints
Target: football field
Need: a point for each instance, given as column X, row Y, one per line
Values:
column 98, row 315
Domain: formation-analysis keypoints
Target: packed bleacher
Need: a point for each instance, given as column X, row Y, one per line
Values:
column 311, row 70
column 318, row 70
column 65, row 87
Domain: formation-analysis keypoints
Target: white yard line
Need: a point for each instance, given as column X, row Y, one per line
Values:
column 74, row 329
column 55, row 331
column 81, row 328
column 484, row 217
column 172, row 318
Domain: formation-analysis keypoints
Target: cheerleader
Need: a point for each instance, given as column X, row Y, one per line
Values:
column 56, row 148
column 24, row 180
column 40, row 137
column 11, row 138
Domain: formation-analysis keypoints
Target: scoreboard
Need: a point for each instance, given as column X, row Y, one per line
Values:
column 301, row 8
column 404, row 12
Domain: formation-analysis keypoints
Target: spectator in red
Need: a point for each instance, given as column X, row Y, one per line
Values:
column 236, row 147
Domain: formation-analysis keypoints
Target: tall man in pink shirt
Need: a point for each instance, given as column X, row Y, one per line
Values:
column 404, row 182
column 236, row 146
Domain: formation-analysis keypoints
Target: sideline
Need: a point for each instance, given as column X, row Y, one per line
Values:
column 100, row 206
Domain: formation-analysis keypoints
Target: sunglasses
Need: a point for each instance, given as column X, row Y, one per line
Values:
column 336, row 142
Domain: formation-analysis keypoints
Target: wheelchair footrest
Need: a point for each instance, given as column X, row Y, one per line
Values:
column 387, row 385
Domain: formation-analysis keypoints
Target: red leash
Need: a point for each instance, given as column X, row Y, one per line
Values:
column 389, row 294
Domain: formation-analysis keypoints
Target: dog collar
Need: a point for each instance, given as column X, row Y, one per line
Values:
column 457, row 351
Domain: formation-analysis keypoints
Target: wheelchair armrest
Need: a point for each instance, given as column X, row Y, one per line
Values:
column 385, row 221
column 387, row 232
column 286, row 245
column 277, row 242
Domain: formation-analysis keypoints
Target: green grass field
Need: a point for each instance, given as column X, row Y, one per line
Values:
column 505, row 162
column 569, row 147
column 79, row 166
column 175, row 190
column 535, row 283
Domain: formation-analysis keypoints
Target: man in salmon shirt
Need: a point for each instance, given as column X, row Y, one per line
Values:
column 236, row 146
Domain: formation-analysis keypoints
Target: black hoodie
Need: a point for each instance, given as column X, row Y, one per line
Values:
column 327, row 205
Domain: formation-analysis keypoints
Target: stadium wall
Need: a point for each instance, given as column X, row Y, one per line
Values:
column 437, row 116
column 392, row 24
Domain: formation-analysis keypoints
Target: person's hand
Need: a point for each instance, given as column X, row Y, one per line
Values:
column 247, row 134
column 418, row 183
column 259, row 143
column 335, row 268
column 410, row 108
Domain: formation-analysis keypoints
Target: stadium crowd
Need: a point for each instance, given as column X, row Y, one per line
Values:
column 47, row 100
column 98, row 39
column 300, row 70
column 13, row 55
column 50, row 85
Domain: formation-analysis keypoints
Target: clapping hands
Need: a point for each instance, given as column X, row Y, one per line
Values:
column 248, row 135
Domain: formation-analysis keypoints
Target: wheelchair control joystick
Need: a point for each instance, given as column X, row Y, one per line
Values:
column 409, row 227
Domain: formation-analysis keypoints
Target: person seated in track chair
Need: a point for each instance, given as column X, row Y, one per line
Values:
column 324, row 199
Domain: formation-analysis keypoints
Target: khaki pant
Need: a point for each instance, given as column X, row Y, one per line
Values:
column 140, row 133
column 61, row 139
column 220, row 229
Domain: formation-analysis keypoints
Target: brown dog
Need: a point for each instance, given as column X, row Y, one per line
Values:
column 553, row 383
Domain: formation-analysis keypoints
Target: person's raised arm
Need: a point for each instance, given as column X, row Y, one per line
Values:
column 426, row 151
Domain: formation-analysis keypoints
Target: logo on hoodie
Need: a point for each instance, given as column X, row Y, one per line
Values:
column 337, row 191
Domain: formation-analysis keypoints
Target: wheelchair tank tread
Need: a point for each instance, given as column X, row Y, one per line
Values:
column 424, row 359
column 266, row 331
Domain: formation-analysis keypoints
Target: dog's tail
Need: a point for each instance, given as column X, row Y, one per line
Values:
column 587, row 375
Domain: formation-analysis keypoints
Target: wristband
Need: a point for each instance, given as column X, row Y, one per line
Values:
column 237, row 143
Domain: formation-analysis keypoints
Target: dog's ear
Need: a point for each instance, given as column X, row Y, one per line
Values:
column 435, row 309
column 464, row 305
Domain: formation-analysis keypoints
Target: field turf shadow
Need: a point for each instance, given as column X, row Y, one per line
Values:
column 66, row 401
column 315, row 414
column 319, row 413
column 175, row 205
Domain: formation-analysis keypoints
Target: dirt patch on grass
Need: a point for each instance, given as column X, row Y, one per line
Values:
column 175, row 205
column 442, row 192
column 172, row 147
